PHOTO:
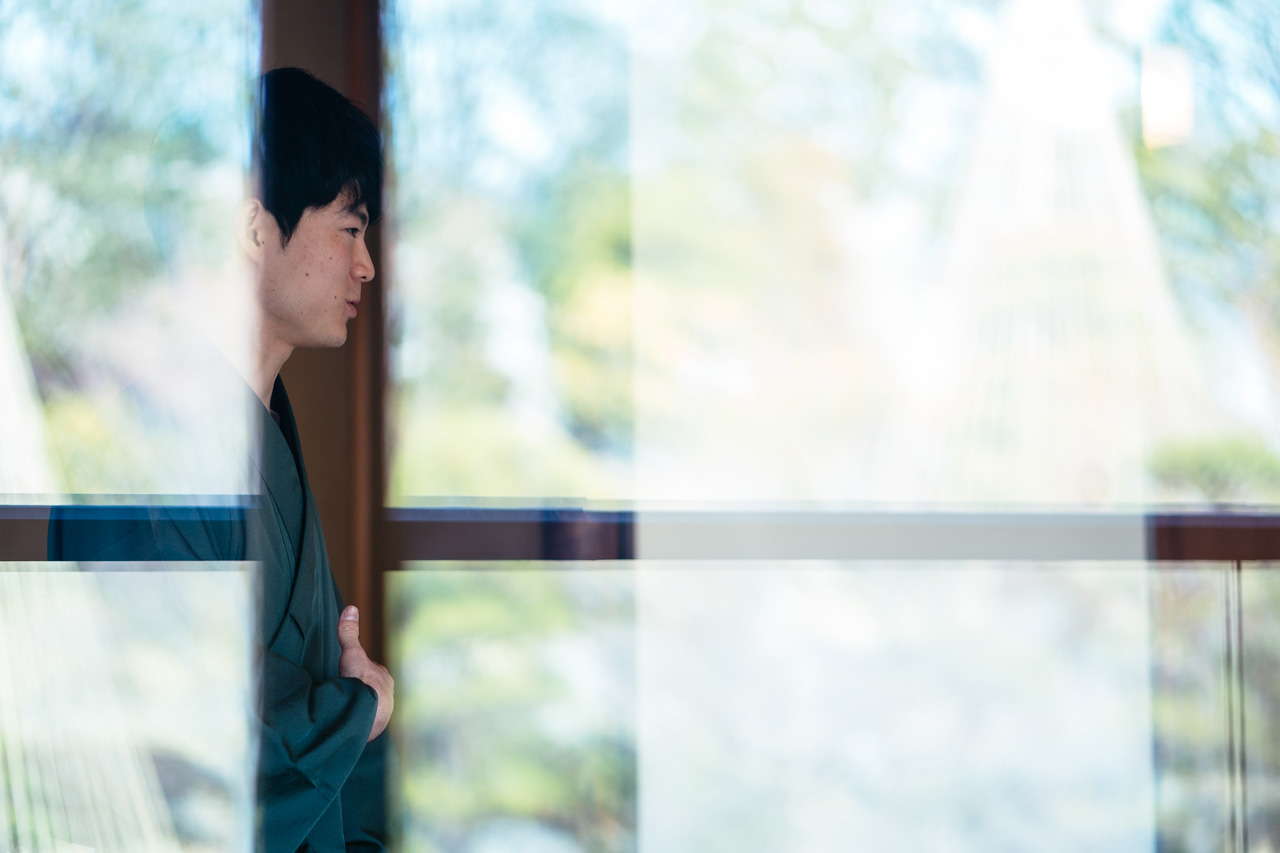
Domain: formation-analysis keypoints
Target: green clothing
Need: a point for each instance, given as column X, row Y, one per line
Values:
column 314, row 722
column 320, row 787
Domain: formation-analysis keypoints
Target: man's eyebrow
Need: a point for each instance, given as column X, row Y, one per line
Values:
column 361, row 214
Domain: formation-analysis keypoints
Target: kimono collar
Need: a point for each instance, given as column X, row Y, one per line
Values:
column 279, row 467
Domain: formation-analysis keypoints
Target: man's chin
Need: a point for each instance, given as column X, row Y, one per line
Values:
column 332, row 341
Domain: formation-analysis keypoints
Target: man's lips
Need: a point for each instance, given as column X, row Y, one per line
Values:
column 351, row 307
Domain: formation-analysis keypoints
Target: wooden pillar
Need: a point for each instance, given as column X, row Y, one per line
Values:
column 367, row 345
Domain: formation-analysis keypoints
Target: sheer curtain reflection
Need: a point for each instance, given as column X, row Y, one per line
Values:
column 907, row 254
column 969, row 255
column 124, row 698
column 123, row 151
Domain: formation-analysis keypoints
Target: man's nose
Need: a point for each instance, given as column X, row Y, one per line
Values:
column 362, row 268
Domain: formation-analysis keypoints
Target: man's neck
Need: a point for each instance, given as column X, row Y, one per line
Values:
column 270, row 357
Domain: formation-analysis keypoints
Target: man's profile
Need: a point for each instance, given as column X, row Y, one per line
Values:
column 319, row 161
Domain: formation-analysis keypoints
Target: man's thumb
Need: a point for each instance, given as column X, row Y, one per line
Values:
column 349, row 627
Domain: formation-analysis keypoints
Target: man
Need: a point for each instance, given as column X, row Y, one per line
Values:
column 320, row 164
column 324, row 705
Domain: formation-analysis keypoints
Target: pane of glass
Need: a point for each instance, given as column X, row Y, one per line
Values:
column 511, row 248
column 1190, row 679
column 909, row 707
column 939, row 252
column 673, row 706
column 515, row 703
column 1261, row 658
column 927, row 252
column 125, row 708
column 124, row 134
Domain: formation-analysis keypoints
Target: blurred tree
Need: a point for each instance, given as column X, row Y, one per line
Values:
column 123, row 132
column 1220, row 469
column 1216, row 204
column 1216, row 198
column 1234, row 468
column 509, row 139
column 84, row 85
column 513, row 159
column 496, row 728
column 578, row 250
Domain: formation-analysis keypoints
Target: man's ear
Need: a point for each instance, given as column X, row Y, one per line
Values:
column 254, row 226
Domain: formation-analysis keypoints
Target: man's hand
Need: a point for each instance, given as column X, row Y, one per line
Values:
column 354, row 663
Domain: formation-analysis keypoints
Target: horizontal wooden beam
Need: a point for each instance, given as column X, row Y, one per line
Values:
column 577, row 534
column 24, row 533
column 558, row 534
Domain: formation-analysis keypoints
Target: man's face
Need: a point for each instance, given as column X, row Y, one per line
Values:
column 309, row 288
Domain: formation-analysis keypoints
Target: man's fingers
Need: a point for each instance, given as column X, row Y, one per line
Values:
column 349, row 628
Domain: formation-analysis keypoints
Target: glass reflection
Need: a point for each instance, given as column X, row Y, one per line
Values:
column 908, row 254
column 511, row 251
column 124, row 709
column 124, row 695
column 805, row 705
column 978, row 252
column 910, row 708
column 515, row 708
column 1261, row 658
column 123, row 151
column 1190, row 683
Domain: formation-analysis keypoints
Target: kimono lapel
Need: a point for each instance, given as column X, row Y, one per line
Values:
column 275, row 464
column 311, row 601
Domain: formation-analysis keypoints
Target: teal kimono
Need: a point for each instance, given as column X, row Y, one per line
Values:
column 318, row 783
column 320, row 787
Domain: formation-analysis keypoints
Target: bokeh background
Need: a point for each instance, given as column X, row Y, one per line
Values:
column 980, row 255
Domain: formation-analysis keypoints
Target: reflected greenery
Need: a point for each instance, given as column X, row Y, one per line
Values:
column 792, row 139
column 513, row 714
column 123, row 141
column 1189, row 689
column 1261, row 602
column 518, row 179
column 1232, row 468
column 512, row 320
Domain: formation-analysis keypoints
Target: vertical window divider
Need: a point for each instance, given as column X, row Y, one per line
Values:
column 1233, row 624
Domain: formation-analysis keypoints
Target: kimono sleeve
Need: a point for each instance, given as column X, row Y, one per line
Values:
column 311, row 738
column 147, row 533
column 364, row 798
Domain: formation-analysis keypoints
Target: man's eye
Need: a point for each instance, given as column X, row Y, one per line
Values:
column 354, row 232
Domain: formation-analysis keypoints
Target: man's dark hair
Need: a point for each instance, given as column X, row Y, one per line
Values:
column 313, row 145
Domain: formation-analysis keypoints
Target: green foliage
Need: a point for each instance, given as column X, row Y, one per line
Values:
column 1219, row 469
column 1189, row 690
column 84, row 86
column 478, row 450
column 511, row 139
column 123, row 142
column 1216, row 197
column 579, row 253
column 482, row 210
column 490, row 727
